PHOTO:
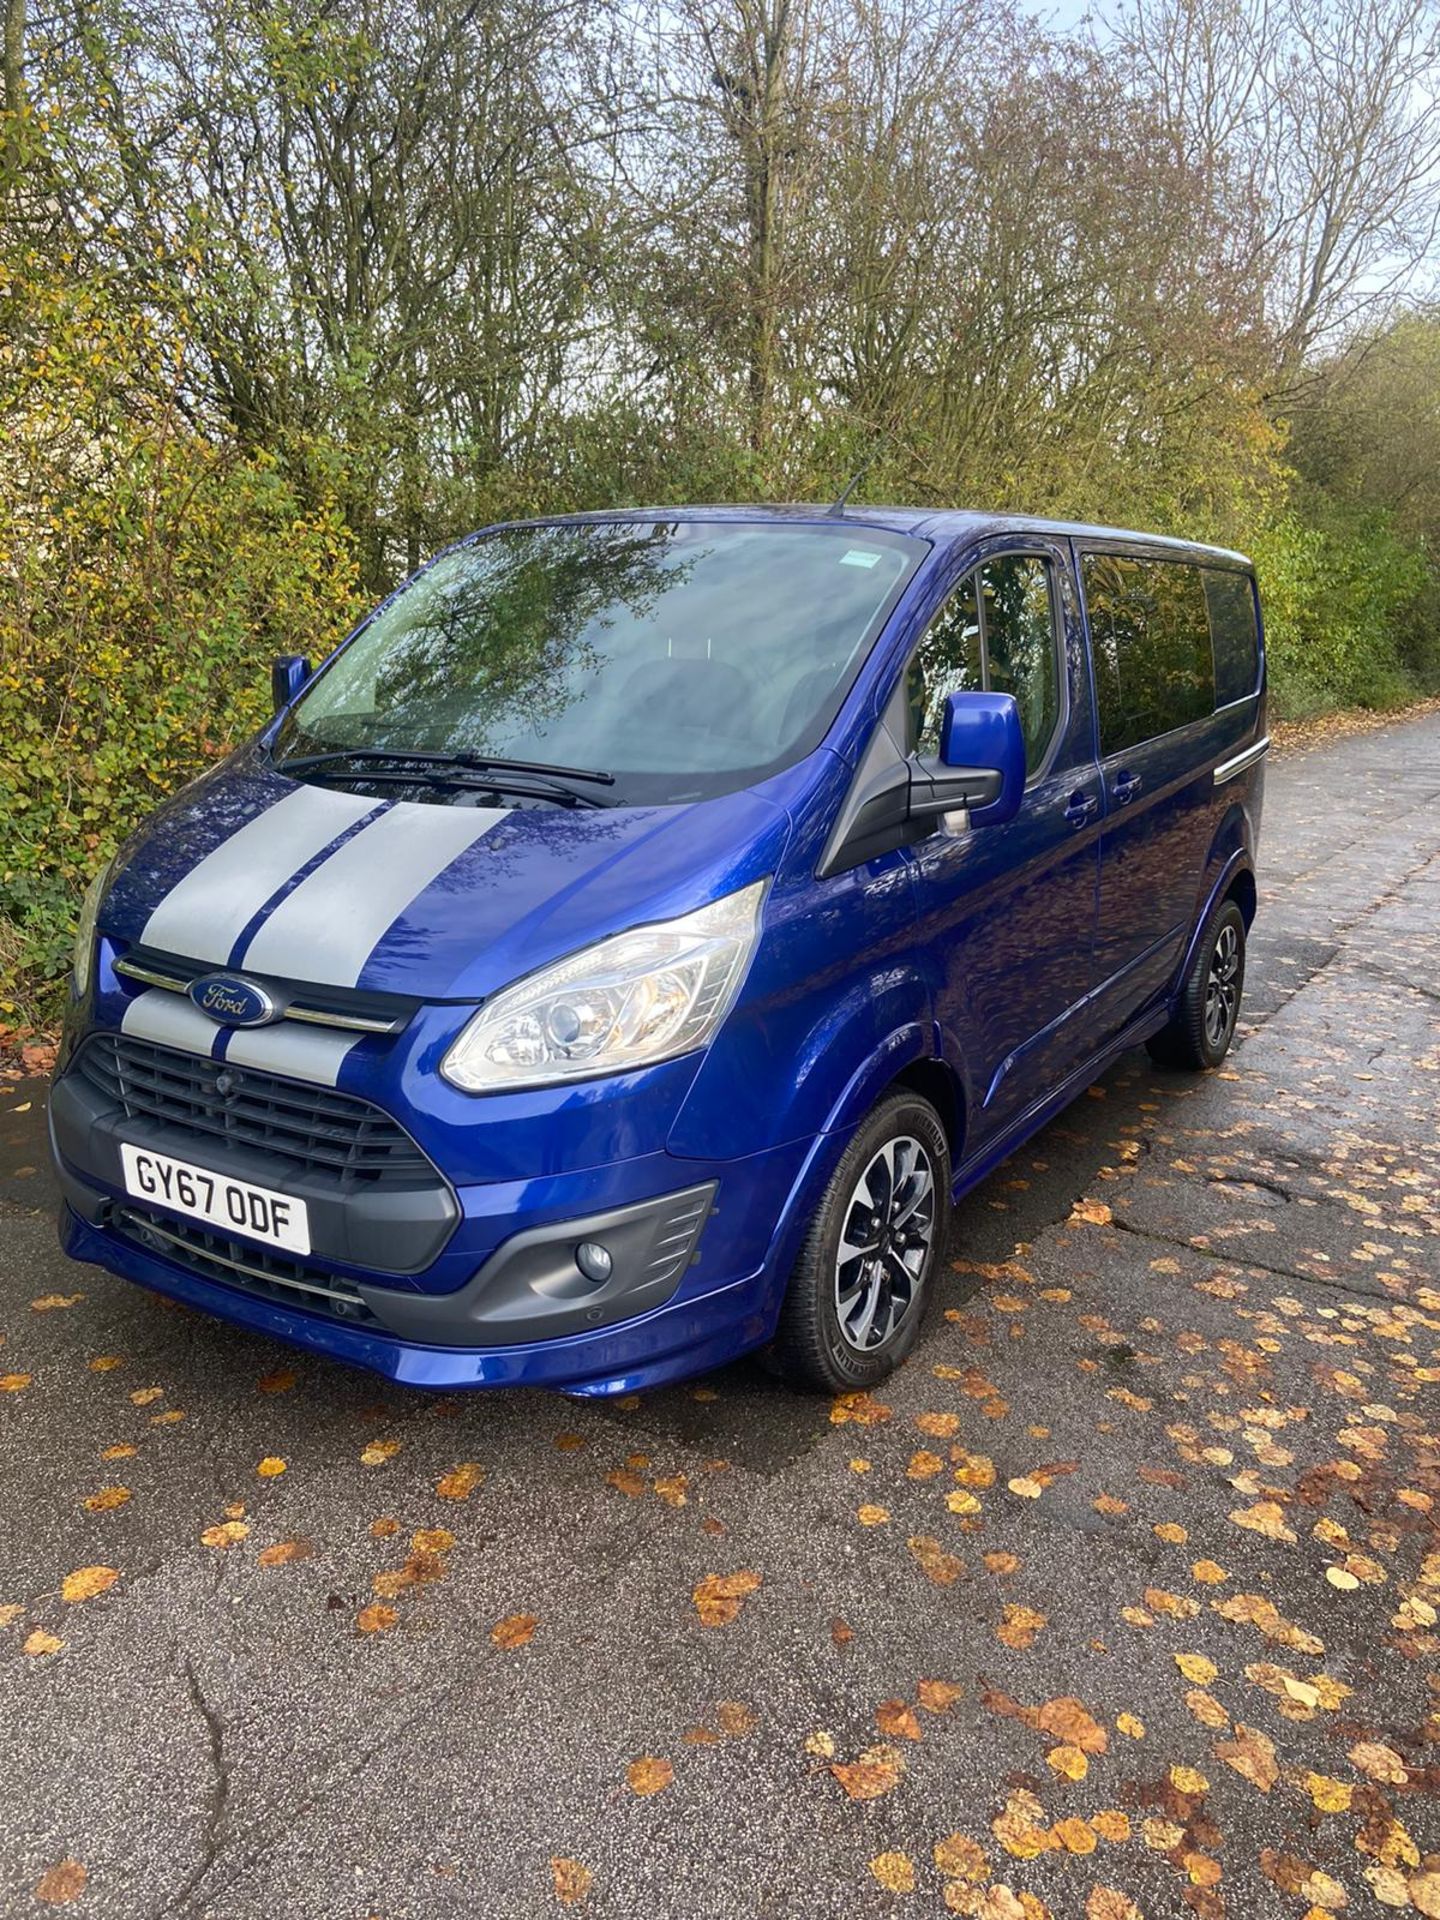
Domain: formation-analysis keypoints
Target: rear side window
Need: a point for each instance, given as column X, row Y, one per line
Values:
column 1150, row 629
column 1233, row 635
column 995, row 632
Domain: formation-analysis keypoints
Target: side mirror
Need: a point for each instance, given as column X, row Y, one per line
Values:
column 288, row 674
column 982, row 761
column 897, row 798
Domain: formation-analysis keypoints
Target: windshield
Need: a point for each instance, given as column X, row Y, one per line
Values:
column 685, row 658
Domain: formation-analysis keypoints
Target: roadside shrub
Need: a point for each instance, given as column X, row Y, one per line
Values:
column 1346, row 601
column 147, row 575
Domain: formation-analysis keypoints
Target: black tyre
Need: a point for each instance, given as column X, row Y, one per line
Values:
column 859, row 1289
column 1203, row 1024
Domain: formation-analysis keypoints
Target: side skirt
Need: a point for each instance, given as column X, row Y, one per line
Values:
column 972, row 1172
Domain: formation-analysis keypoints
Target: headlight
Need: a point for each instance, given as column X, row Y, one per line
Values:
column 83, row 963
column 629, row 1001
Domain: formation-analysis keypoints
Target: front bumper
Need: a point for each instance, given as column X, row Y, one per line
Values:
column 690, row 1335
column 696, row 1248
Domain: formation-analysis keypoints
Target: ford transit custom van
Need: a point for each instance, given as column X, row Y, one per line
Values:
column 619, row 954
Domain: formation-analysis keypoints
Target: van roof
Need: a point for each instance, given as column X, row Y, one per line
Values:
column 931, row 523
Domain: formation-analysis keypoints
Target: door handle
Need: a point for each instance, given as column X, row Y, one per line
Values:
column 1080, row 808
column 1126, row 786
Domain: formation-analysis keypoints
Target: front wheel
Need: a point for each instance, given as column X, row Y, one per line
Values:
column 859, row 1289
column 1203, row 1023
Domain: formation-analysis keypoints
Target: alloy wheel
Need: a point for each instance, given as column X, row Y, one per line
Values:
column 885, row 1243
column 1222, row 987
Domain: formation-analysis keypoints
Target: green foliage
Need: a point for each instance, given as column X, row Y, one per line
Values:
column 149, row 575
column 1344, row 599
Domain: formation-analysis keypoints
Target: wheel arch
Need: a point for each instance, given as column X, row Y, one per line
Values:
column 1243, row 892
column 936, row 1083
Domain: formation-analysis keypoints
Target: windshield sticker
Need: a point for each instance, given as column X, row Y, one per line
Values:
column 858, row 557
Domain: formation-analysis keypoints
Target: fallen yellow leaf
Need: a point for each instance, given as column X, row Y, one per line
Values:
column 61, row 1884
column 375, row 1619
column 897, row 1720
column 515, row 1630
column 86, row 1582
column 894, row 1871
column 938, row 1696
column 107, row 1499
column 1076, row 1836
column 960, row 1858
column 1329, row 1796
column 936, row 1564
column 736, row 1719
column 461, row 1481
column 1070, row 1721
column 876, row 1772
column 225, row 1534
column 1188, row 1780
column 1252, row 1754
column 649, row 1775
column 572, row 1880
column 1196, row 1667
column 718, row 1597
column 939, row 1426
column 285, row 1552
column 1019, row 1626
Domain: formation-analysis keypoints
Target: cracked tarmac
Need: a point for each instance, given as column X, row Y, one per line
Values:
column 1243, row 1317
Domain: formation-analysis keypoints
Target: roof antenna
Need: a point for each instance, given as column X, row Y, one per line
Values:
column 837, row 512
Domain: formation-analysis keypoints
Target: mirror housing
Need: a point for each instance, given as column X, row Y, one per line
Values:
column 896, row 798
column 288, row 674
column 980, row 735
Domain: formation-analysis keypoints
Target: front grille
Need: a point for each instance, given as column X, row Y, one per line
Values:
column 258, row 1271
column 363, row 1011
column 312, row 1129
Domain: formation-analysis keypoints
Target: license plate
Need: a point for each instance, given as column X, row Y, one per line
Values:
column 234, row 1206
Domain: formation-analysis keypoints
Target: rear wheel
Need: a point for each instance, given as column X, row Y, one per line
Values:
column 859, row 1289
column 1203, row 1024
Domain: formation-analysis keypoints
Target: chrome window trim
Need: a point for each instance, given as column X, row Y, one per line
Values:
column 1228, row 769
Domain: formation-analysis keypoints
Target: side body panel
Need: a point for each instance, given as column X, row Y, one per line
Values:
column 1006, row 914
column 1170, row 826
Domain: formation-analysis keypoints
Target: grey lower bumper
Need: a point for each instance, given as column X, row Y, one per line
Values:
column 531, row 1287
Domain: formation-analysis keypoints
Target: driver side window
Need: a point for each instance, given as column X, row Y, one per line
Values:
column 996, row 631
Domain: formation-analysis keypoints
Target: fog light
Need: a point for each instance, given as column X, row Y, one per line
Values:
column 594, row 1261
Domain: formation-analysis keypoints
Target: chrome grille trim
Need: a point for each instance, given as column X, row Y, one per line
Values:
column 295, row 1010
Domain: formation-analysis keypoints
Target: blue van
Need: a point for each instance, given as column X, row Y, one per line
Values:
column 621, row 951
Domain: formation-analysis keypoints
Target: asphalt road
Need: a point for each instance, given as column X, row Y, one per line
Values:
column 1158, row 1494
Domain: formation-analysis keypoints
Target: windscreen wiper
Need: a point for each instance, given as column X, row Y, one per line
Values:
column 407, row 766
column 461, row 757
